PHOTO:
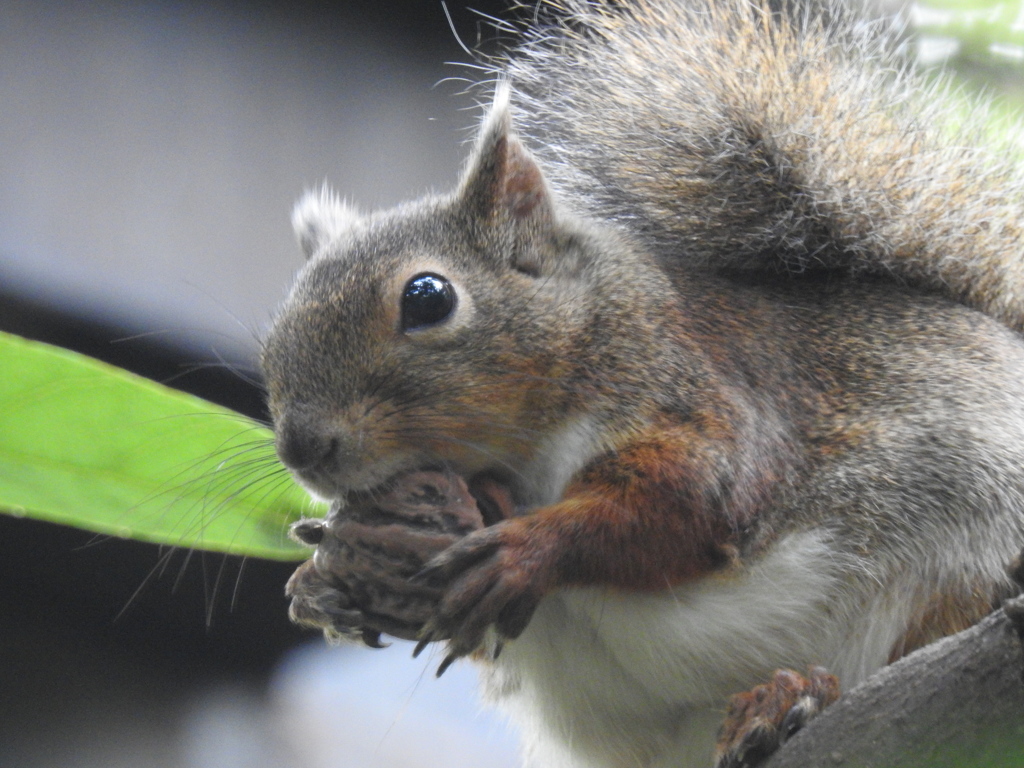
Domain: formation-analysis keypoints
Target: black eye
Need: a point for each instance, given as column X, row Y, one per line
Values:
column 428, row 300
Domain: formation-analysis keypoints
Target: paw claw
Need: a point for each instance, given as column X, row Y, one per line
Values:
column 423, row 643
column 426, row 575
column 371, row 639
column 307, row 531
column 459, row 557
column 491, row 578
column 443, row 666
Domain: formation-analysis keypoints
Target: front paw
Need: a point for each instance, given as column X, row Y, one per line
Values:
column 318, row 603
column 357, row 585
column 759, row 721
column 493, row 577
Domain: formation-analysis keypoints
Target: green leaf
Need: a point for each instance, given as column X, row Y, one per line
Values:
column 85, row 444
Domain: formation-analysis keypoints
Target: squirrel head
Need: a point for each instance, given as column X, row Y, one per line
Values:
column 458, row 331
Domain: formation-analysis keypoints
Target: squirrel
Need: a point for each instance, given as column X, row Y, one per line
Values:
column 736, row 322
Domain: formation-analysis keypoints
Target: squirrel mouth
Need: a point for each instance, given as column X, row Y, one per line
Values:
column 493, row 497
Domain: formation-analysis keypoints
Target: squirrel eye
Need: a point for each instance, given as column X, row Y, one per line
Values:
column 428, row 300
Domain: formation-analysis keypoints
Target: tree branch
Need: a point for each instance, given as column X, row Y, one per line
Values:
column 956, row 703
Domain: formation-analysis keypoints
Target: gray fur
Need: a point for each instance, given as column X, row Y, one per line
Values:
column 742, row 223
column 815, row 148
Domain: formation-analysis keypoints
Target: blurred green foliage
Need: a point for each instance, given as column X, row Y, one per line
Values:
column 981, row 44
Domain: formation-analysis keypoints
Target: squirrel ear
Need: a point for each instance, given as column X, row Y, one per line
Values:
column 320, row 217
column 503, row 180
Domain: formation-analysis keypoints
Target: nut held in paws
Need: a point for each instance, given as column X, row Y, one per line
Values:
column 371, row 545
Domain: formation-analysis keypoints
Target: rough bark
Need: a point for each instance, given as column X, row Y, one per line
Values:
column 957, row 703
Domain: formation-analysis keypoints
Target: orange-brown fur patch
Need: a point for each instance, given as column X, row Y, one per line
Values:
column 646, row 517
column 944, row 614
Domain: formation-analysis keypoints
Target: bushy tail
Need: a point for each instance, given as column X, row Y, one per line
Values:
column 738, row 134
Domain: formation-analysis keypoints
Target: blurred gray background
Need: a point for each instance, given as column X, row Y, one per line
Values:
column 150, row 153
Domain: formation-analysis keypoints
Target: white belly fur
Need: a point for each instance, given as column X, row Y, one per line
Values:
column 606, row 679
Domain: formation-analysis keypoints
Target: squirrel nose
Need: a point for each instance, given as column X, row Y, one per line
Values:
column 304, row 441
